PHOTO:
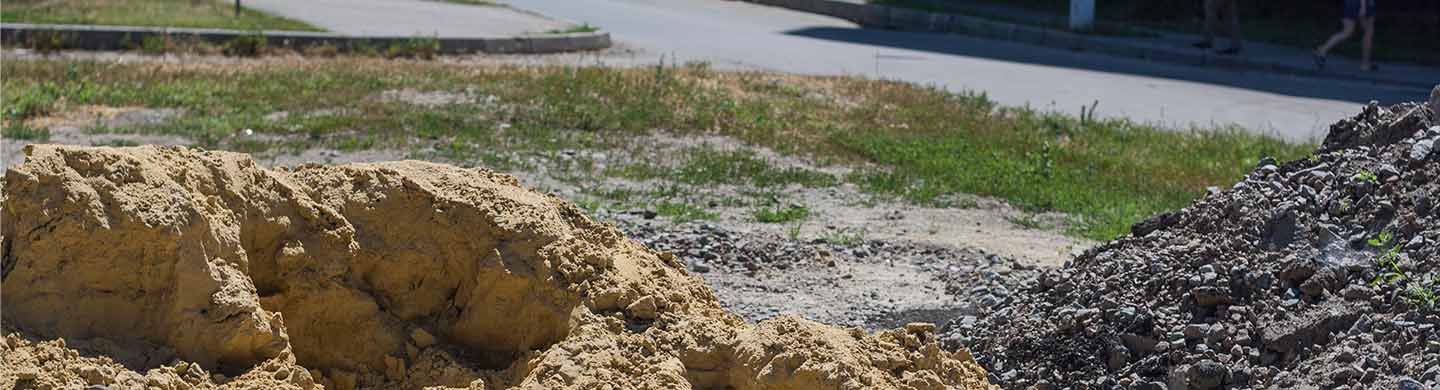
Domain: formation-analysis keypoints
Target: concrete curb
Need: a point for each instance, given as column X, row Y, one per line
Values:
column 123, row 37
column 907, row 19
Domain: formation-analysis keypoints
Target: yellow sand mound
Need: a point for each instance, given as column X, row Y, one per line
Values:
column 171, row 268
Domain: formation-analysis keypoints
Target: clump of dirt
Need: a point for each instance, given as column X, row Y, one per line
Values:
column 1314, row 273
column 202, row 269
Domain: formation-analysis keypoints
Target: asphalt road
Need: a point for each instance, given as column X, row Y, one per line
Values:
column 732, row 34
column 410, row 17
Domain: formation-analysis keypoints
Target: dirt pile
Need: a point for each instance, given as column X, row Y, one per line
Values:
column 172, row 268
column 1316, row 273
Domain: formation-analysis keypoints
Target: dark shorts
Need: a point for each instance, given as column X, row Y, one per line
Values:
column 1352, row 9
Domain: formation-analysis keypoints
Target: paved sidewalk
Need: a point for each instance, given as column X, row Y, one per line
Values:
column 1291, row 57
column 1168, row 46
column 411, row 17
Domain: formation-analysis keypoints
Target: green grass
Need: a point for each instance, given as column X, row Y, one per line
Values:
column 21, row 131
column 1028, row 222
column 583, row 28
column 901, row 140
column 159, row 13
column 706, row 166
column 775, row 214
column 844, row 236
column 683, row 212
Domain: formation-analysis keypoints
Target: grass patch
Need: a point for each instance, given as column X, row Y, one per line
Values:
column 917, row 143
column 21, row 131
column 158, row 13
column 844, row 236
column 775, row 214
column 684, row 212
column 422, row 48
column 1027, row 221
column 582, row 28
column 706, row 166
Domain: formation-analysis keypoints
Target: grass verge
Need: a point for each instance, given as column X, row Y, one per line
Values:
column 583, row 28
column 922, row 144
column 159, row 13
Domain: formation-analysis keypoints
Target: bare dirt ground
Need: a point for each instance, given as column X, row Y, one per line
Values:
column 871, row 275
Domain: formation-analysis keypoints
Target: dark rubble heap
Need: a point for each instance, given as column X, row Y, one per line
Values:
column 1316, row 273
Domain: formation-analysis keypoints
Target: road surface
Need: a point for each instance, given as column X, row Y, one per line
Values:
column 411, row 17
column 733, row 34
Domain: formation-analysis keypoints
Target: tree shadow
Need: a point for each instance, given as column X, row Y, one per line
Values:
column 961, row 45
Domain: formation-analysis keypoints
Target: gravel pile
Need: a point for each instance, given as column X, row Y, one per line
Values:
column 1315, row 273
column 972, row 279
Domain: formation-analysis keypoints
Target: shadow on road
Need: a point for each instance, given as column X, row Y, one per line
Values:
column 959, row 45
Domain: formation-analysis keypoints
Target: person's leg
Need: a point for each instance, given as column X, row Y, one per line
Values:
column 1233, row 10
column 1369, row 25
column 1347, row 27
column 1211, row 12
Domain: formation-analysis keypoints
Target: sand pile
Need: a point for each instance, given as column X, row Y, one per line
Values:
column 170, row 268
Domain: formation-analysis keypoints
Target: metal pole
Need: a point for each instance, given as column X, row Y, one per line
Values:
column 1082, row 15
column 237, row 8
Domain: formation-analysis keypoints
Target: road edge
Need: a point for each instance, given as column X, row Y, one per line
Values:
column 97, row 37
column 907, row 19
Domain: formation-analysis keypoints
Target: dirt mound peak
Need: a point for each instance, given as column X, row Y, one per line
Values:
column 166, row 260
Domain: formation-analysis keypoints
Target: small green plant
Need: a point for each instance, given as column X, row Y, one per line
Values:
column 31, row 102
column 1416, row 291
column 248, row 45
column 1366, row 176
column 1026, row 221
column 794, row 230
column 778, row 215
column 844, row 236
column 46, row 41
column 127, row 42
column 683, row 212
column 21, row 131
column 422, row 48
column 1421, row 296
column 583, row 28
column 1042, row 164
column 1385, row 243
column 1087, row 114
column 155, row 44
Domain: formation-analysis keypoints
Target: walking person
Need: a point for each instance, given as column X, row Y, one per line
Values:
column 1363, row 12
column 1212, row 15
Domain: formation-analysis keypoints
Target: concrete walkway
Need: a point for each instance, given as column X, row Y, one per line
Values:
column 411, row 17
